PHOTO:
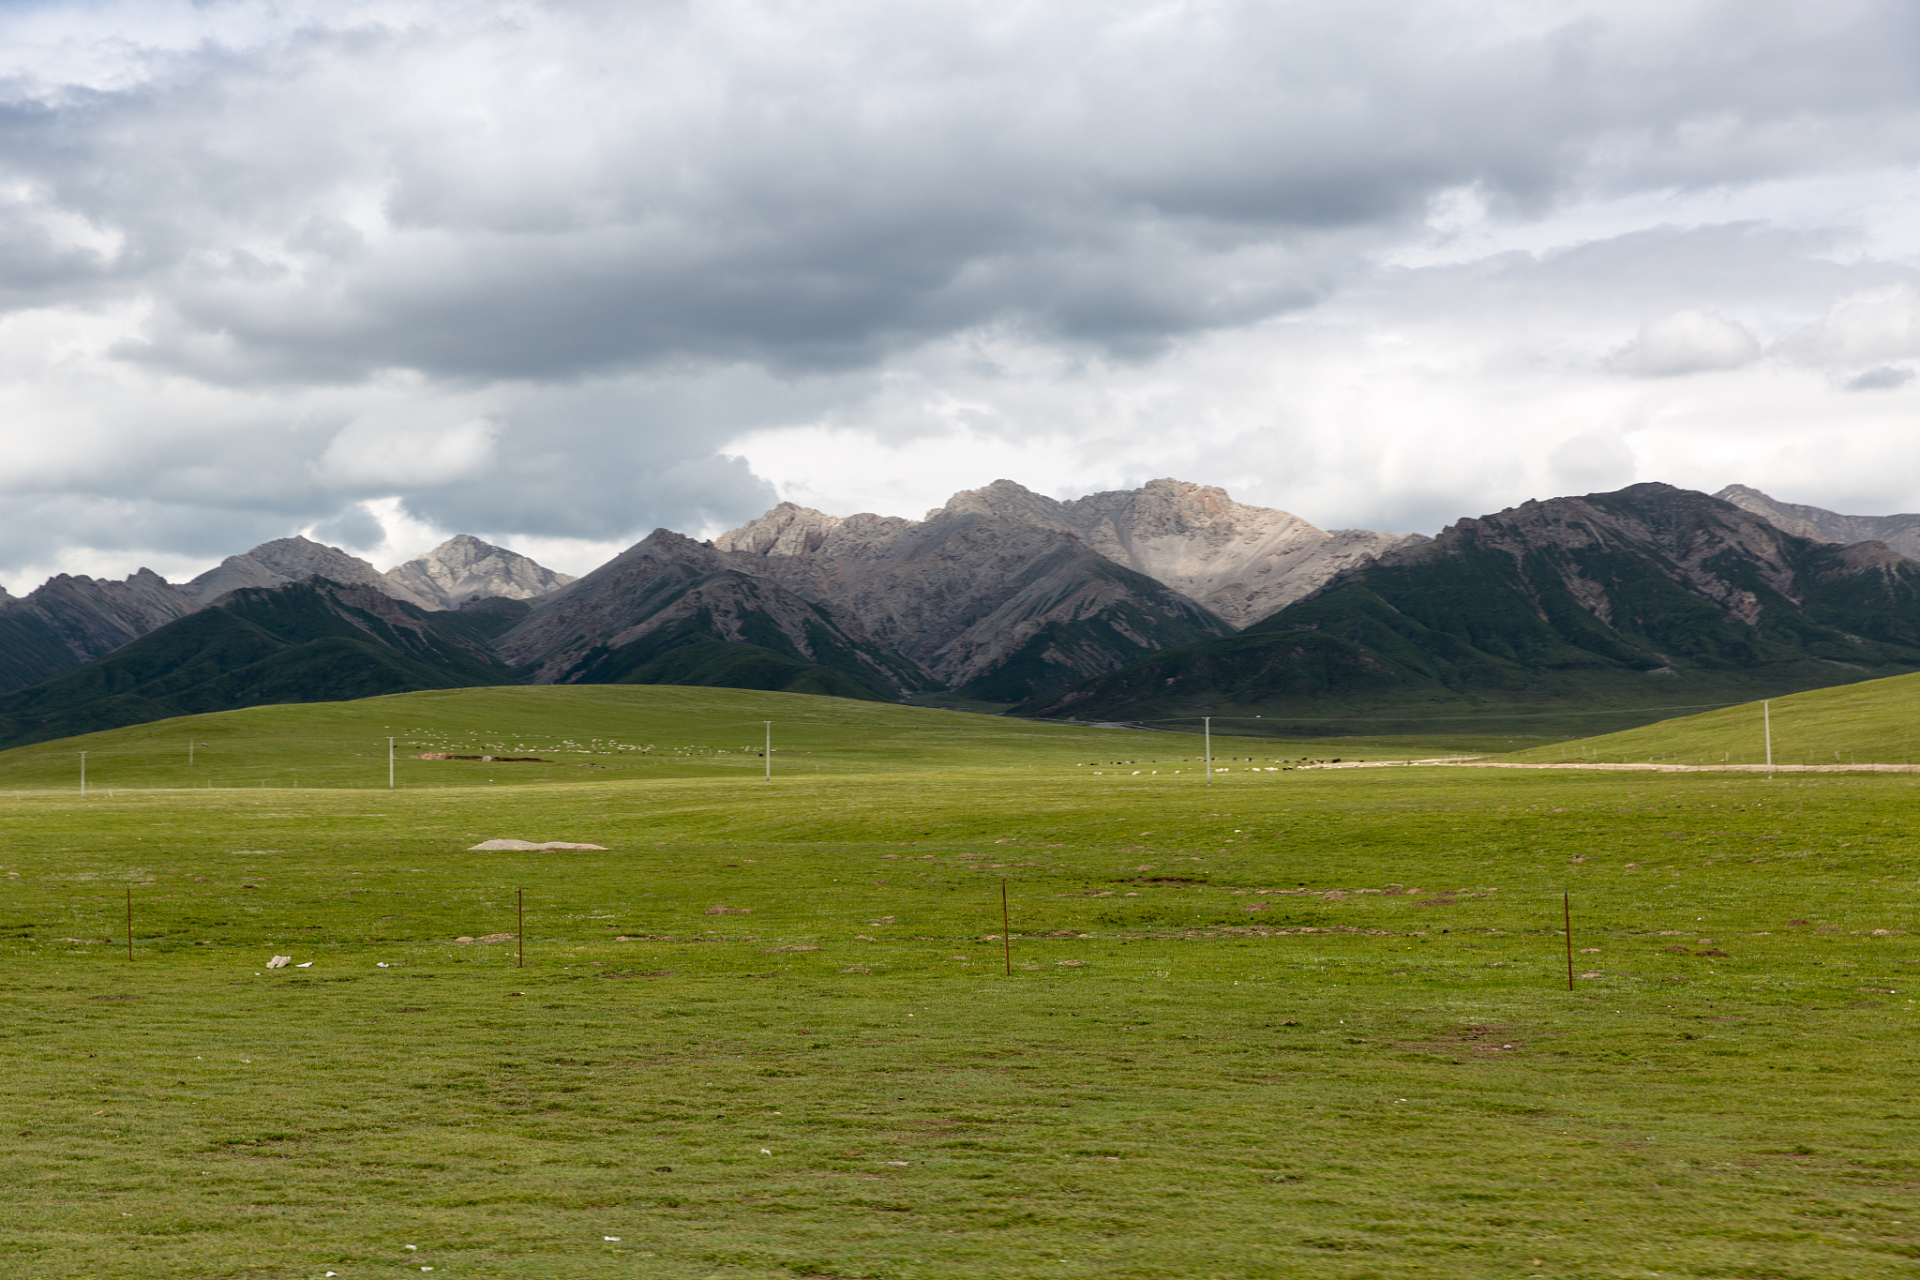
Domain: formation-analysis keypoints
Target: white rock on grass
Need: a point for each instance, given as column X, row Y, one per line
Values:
column 525, row 846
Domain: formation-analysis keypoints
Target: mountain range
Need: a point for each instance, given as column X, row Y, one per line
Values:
column 1649, row 595
column 1167, row 600
column 69, row 621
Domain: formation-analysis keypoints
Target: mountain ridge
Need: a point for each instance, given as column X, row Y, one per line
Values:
column 1567, row 598
column 314, row 640
column 1900, row 532
column 69, row 621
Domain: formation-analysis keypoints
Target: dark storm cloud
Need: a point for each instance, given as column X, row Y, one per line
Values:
column 588, row 190
column 533, row 266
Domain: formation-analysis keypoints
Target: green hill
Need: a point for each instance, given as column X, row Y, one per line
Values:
column 579, row 733
column 1875, row 721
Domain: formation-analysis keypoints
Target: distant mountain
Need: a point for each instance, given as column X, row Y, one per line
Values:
column 1649, row 595
column 1902, row 532
column 620, row 622
column 69, row 621
column 464, row 568
column 1002, row 595
column 1241, row 562
column 295, row 560
column 313, row 641
column 993, row 594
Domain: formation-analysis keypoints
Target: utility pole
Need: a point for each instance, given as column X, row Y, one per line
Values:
column 769, row 751
column 83, row 775
column 389, row 764
column 1207, row 722
column 1766, row 721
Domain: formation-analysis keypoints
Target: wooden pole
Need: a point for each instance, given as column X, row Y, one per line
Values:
column 1207, row 749
column 1566, row 907
column 769, row 750
column 1006, row 928
column 520, row 924
column 129, row 924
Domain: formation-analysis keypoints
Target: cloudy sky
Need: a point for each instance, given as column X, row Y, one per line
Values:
column 560, row 273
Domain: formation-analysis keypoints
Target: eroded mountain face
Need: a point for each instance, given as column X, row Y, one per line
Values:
column 667, row 590
column 463, row 568
column 1596, row 596
column 998, row 594
column 68, row 621
column 1004, row 592
column 1240, row 562
column 1900, row 532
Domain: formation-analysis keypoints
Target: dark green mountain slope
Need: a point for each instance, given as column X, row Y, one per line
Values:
column 1645, row 597
column 68, row 621
column 617, row 624
column 307, row 642
column 741, row 632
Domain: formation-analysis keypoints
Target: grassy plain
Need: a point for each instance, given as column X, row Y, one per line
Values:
column 1306, row 1023
column 1875, row 721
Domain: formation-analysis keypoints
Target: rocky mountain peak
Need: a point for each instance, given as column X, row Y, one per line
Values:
column 295, row 559
column 1243, row 562
column 464, row 568
column 1005, row 500
column 787, row 530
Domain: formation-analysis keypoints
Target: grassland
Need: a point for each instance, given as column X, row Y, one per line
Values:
column 1876, row 721
column 1302, row 1023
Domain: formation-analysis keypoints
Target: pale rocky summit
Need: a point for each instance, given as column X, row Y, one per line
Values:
column 284, row 560
column 996, row 582
column 464, row 568
column 1900, row 532
column 1241, row 562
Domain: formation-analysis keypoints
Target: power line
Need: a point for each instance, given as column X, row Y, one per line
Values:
column 1518, row 715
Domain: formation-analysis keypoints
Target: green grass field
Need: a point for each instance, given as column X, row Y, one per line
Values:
column 1300, row 1023
column 1876, row 721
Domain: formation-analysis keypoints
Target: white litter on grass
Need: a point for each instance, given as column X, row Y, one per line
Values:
column 611, row 1239
column 526, row 846
column 765, row 1152
column 382, row 964
column 304, row 964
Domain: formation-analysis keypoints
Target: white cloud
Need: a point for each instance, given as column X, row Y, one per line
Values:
column 556, row 273
column 1688, row 341
column 398, row 449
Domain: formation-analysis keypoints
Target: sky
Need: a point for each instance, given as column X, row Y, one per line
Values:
column 557, row 274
